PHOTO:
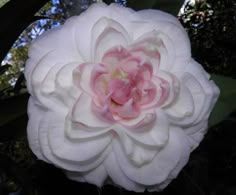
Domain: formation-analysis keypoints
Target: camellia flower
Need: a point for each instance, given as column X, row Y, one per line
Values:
column 116, row 97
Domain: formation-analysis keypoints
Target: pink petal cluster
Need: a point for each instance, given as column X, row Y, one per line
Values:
column 123, row 84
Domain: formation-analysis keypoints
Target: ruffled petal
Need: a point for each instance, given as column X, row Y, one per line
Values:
column 114, row 56
column 149, row 47
column 136, row 153
column 176, row 50
column 141, row 145
column 153, row 135
column 66, row 90
column 55, row 49
column 33, row 127
column 57, row 149
column 107, row 33
column 156, row 16
column 118, row 177
column 82, row 113
column 82, row 75
column 43, row 82
column 79, row 132
column 163, row 163
column 96, row 176
column 86, row 21
column 183, row 107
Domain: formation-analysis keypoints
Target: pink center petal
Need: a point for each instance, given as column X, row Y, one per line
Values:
column 124, row 84
column 120, row 90
column 129, row 110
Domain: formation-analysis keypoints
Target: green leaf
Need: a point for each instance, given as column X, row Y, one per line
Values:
column 226, row 103
column 170, row 6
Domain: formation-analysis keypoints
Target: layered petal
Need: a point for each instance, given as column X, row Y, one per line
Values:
column 165, row 161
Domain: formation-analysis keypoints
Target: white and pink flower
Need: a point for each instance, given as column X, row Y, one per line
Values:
column 116, row 95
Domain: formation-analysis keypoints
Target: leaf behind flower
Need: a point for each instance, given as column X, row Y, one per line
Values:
column 226, row 103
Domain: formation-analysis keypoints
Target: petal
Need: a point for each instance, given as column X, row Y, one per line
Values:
column 129, row 110
column 67, row 91
column 107, row 33
column 149, row 47
column 53, row 97
column 156, row 16
column 85, row 24
column 103, row 112
column 173, row 87
column 142, row 122
column 196, row 132
column 57, row 45
column 82, row 77
column 82, row 113
column 69, row 155
column 210, row 89
column 167, row 86
column 98, row 81
column 204, row 97
column 83, row 28
column 136, row 153
column 149, row 92
column 183, row 107
column 43, row 85
column 114, row 56
column 117, row 175
column 154, row 134
column 96, row 176
column 142, row 143
column 79, row 132
column 185, row 148
column 120, row 90
column 176, row 45
column 35, row 114
column 160, row 167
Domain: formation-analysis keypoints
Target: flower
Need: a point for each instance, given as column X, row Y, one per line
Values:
column 116, row 96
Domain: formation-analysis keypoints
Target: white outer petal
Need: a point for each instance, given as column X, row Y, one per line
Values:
column 107, row 33
column 164, row 162
column 96, row 176
column 48, row 152
column 82, row 113
column 86, row 21
column 204, row 91
column 172, row 34
column 35, row 114
column 118, row 177
column 155, row 136
column 61, row 40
